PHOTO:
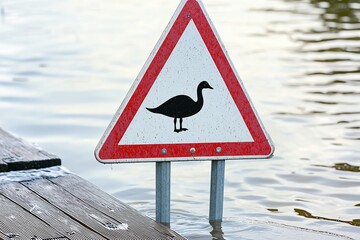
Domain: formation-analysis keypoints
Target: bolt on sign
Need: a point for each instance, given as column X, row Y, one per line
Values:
column 187, row 103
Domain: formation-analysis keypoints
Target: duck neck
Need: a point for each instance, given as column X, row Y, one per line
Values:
column 200, row 99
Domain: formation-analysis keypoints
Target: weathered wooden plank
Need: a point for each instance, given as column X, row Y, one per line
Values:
column 15, row 223
column 3, row 166
column 19, row 155
column 81, row 211
column 40, row 208
column 112, row 207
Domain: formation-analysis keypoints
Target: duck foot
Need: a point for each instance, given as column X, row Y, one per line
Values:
column 180, row 130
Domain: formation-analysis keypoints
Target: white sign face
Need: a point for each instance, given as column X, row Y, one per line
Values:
column 188, row 103
column 218, row 120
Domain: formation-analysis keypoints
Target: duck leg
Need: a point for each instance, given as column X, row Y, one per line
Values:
column 181, row 128
column 175, row 130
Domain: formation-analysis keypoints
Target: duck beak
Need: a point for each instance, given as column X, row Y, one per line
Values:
column 210, row 87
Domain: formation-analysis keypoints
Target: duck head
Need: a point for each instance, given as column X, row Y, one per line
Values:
column 204, row 84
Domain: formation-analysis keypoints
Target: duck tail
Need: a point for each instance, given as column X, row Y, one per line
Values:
column 153, row 110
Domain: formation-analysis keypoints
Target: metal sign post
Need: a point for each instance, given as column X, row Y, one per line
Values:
column 163, row 170
column 163, row 183
column 217, row 191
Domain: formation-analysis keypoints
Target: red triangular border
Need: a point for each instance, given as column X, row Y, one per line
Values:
column 108, row 149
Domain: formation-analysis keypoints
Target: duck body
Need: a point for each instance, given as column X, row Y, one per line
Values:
column 178, row 107
column 182, row 106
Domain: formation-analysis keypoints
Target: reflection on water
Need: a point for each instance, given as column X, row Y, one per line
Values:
column 65, row 67
column 328, row 79
column 217, row 232
column 355, row 222
column 273, row 210
column 338, row 13
column 329, row 69
column 343, row 167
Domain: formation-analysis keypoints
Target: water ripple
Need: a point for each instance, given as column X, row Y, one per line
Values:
column 65, row 68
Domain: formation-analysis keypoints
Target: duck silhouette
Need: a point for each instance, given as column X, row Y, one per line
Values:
column 182, row 106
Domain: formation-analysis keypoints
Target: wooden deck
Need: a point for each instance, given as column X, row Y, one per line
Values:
column 63, row 207
column 16, row 154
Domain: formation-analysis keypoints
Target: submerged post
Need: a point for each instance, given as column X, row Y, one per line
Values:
column 217, row 191
column 163, row 192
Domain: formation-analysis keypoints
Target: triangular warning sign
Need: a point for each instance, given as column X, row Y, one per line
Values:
column 188, row 103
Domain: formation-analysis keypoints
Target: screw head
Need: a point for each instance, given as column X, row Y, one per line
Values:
column 163, row 151
column 192, row 150
column 218, row 149
column 188, row 15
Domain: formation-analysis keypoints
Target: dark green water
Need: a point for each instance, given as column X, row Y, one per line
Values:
column 65, row 67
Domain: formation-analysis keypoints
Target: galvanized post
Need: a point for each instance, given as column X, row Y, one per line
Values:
column 163, row 192
column 217, row 191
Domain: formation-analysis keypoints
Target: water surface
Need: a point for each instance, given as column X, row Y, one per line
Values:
column 65, row 67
